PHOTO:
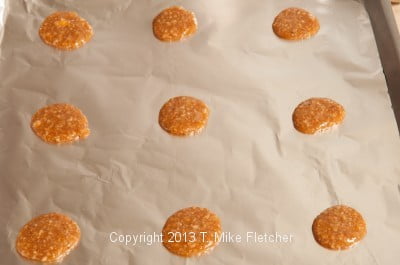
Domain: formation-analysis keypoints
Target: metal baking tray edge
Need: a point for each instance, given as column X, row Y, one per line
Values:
column 388, row 41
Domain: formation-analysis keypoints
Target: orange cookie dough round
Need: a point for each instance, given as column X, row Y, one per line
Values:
column 174, row 24
column 60, row 123
column 65, row 30
column 295, row 24
column 183, row 116
column 339, row 227
column 192, row 231
column 48, row 238
column 317, row 114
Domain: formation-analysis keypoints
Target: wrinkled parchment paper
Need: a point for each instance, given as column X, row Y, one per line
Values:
column 249, row 166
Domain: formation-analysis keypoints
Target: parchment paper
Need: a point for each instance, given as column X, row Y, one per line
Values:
column 249, row 166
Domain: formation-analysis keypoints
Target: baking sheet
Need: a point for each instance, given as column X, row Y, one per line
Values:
column 388, row 42
column 249, row 166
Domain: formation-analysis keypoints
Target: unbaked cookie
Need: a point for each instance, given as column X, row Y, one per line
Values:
column 339, row 227
column 48, row 238
column 295, row 24
column 192, row 231
column 65, row 30
column 174, row 24
column 317, row 114
column 183, row 116
column 60, row 123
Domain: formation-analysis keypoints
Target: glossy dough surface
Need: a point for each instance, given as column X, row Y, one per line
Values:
column 48, row 238
column 317, row 114
column 183, row 116
column 65, row 30
column 174, row 24
column 339, row 227
column 201, row 227
column 60, row 123
column 295, row 24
